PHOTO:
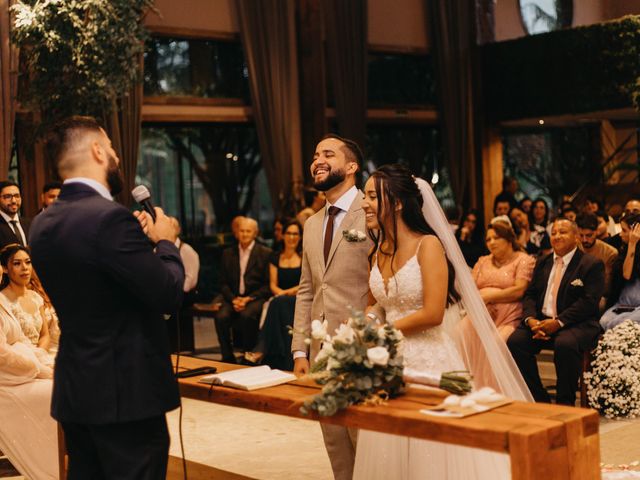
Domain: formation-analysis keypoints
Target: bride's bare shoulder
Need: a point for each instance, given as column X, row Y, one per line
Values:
column 430, row 241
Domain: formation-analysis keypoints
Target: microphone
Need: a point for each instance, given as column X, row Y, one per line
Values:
column 143, row 197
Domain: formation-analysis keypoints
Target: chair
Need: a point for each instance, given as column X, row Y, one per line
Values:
column 587, row 358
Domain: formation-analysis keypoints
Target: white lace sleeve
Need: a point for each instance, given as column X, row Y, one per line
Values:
column 18, row 363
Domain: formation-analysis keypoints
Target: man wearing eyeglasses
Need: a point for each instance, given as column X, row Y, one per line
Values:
column 13, row 229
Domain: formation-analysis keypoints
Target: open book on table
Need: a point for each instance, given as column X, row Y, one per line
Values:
column 249, row 378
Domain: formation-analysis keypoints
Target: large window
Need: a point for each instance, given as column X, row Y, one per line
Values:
column 195, row 68
column 396, row 80
column 416, row 146
column 400, row 80
column 553, row 162
column 205, row 174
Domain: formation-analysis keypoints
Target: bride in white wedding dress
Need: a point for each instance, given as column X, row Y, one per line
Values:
column 413, row 280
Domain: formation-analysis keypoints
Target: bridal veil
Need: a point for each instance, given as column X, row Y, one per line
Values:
column 485, row 354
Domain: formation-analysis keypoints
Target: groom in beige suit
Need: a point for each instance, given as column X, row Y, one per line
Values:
column 335, row 271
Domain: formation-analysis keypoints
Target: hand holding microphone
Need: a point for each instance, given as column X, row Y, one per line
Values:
column 155, row 224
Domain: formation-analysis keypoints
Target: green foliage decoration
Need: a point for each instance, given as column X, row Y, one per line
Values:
column 576, row 70
column 79, row 56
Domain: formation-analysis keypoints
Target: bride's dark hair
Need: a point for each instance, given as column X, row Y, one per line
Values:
column 395, row 185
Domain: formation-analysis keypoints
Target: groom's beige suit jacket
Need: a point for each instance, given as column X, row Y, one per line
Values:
column 329, row 292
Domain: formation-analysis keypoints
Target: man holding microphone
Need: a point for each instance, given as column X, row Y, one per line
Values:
column 110, row 276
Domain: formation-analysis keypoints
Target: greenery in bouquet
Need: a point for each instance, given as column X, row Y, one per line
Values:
column 613, row 385
column 361, row 363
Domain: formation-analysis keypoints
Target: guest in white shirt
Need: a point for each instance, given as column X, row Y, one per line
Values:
column 560, row 312
column 244, row 285
column 190, row 259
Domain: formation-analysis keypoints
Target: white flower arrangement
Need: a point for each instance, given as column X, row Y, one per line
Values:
column 613, row 387
column 354, row 235
column 361, row 363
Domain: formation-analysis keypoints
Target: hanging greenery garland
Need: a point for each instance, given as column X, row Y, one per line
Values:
column 78, row 56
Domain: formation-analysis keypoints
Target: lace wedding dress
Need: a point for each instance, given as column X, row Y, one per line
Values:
column 28, row 434
column 384, row 456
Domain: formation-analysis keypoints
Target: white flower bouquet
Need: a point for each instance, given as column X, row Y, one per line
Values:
column 613, row 387
column 361, row 363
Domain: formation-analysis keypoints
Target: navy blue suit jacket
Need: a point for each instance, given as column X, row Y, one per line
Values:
column 580, row 290
column 110, row 289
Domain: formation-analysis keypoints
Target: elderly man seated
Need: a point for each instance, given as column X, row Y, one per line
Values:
column 244, row 282
column 560, row 312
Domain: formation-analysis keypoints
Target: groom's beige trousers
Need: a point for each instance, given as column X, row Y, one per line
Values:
column 328, row 292
column 340, row 443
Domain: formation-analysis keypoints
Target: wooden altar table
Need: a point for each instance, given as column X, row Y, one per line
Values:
column 544, row 441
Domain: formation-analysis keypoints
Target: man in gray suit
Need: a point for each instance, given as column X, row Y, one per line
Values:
column 335, row 271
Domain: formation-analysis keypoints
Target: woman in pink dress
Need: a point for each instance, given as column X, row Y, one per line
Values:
column 503, row 276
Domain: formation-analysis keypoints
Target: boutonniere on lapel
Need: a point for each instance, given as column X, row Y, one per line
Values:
column 354, row 235
column 577, row 283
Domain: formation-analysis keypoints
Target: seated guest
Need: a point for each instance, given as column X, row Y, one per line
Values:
column 13, row 228
column 539, row 213
column 184, row 340
column 28, row 434
column 244, row 283
column 190, row 261
column 314, row 200
column 18, row 299
column 632, row 206
column 525, row 205
column 570, row 213
column 274, row 340
column 503, row 276
column 509, row 188
column 587, row 226
column 560, row 312
column 235, row 225
column 595, row 205
column 470, row 238
column 50, row 193
column 626, row 284
column 502, row 204
column 533, row 240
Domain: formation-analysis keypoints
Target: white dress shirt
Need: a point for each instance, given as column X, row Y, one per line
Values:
column 191, row 263
column 547, row 306
column 344, row 204
column 245, row 253
column 90, row 182
column 20, row 232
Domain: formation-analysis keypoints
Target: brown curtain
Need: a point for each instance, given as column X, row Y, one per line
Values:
column 124, row 126
column 452, row 29
column 8, row 77
column 267, row 29
column 346, row 36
